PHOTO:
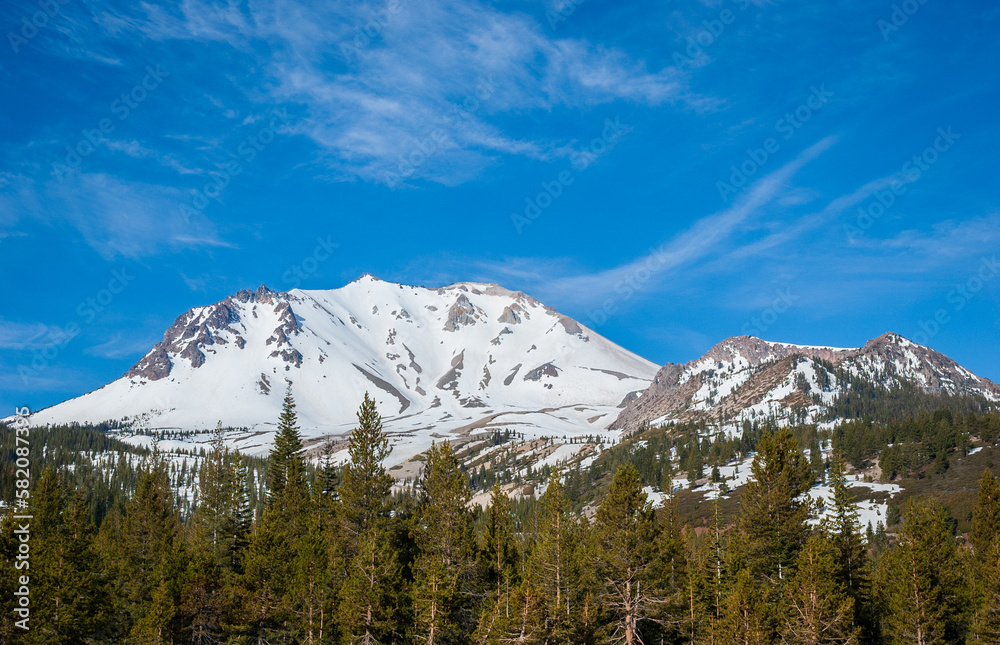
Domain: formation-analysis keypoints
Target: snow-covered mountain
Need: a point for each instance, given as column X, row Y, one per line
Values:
column 466, row 358
column 748, row 378
column 463, row 360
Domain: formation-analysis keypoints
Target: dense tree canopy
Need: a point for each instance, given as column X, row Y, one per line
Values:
column 284, row 551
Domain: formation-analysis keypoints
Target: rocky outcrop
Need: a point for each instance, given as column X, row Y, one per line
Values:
column 153, row 366
column 218, row 324
column 547, row 369
column 510, row 316
column 449, row 381
column 461, row 314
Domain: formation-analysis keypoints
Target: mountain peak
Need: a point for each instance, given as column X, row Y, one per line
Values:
column 261, row 294
column 463, row 358
column 891, row 337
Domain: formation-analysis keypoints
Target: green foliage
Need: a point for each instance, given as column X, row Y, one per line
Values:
column 340, row 555
column 626, row 535
column 986, row 620
column 443, row 567
column 772, row 526
column 986, row 514
column 821, row 610
column 852, row 558
column 369, row 594
column 909, row 444
column 66, row 581
column 286, row 466
column 920, row 581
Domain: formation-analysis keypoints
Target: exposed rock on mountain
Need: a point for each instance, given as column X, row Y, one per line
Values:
column 748, row 378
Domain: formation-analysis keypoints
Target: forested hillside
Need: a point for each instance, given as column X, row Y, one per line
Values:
column 213, row 547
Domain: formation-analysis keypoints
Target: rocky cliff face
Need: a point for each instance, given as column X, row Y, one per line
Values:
column 196, row 331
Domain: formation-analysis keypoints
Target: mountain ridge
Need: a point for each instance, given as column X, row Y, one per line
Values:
column 470, row 357
column 678, row 390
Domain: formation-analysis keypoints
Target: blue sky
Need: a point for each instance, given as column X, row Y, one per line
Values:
column 668, row 173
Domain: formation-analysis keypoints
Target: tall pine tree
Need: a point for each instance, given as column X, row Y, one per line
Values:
column 772, row 523
column 215, row 514
column 498, row 561
column 920, row 581
column 286, row 462
column 66, row 586
column 549, row 564
column 370, row 590
column 845, row 529
column 626, row 533
column 443, row 564
column 986, row 620
column 142, row 552
column 986, row 513
column 821, row 609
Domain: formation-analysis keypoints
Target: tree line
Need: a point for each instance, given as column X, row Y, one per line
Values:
column 346, row 557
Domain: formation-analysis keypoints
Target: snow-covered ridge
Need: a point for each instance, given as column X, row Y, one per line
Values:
column 748, row 378
column 441, row 362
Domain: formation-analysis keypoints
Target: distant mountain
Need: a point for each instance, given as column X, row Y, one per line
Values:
column 441, row 362
column 748, row 378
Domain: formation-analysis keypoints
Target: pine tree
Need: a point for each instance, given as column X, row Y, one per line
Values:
column 986, row 621
column 371, row 590
column 524, row 623
column 443, row 538
column 499, row 552
column 153, row 625
column 498, row 561
column 745, row 618
column 286, row 462
column 365, row 487
column 703, row 591
column 986, row 513
column 204, row 601
column 243, row 514
column 66, row 586
column 772, row 523
column 670, row 571
column 626, row 534
column 215, row 514
column 261, row 591
column 548, row 566
column 588, row 614
column 822, row 611
column 845, row 528
column 329, row 471
column 312, row 590
column 920, row 581
column 368, row 594
column 144, row 552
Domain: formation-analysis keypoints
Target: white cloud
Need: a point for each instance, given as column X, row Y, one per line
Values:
column 119, row 347
column 702, row 240
column 391, row 95
column 116, row 217
column 27, row 336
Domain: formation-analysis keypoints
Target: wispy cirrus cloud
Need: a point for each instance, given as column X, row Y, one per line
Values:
column 120, row 346
column 114, row 216
column 413, row 92
column 25, row 336
column 707, row 238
